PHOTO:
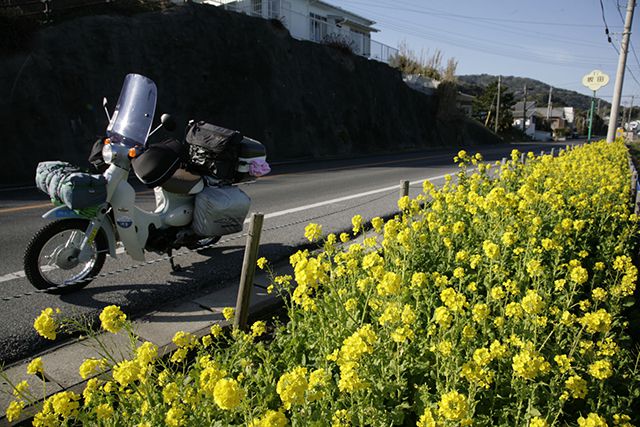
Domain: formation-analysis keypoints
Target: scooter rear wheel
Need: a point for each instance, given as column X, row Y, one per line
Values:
column 51, row 258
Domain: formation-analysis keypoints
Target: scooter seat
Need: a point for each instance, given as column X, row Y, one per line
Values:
column 183, row 182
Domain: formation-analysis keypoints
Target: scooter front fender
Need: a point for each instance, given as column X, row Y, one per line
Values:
column 62, row 212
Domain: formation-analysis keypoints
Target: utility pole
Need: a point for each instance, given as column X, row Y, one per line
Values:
column 497, row 107
column 549, row 103
column 524, row 109
column 622, row 63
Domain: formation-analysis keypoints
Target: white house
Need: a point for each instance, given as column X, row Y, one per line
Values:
column 317, row 21
column 527, row 113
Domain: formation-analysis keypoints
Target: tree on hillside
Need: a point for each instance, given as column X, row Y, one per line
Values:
column 485, row 105
column 582, row 124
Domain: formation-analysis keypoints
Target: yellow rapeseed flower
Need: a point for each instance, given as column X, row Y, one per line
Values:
column 292, row 386
column 14, row 410
column 340, row 418
column 532, row 303
column 216, row 330
column 601, row 369
column 491, row 250
column 576, row 386
column 312, row 232
column 35, row 366
column 184, row 339
column 261, row 263
column 592, row 420
column 104, row 411
column 599, row 321
column 528, row 364
column 45, row 324
column 228, row 394
column 126, row 372
column 112, row 319
column 356, row 221
column 453, row 406
column 175, row 417
column 538, row 422
column 258, row 328
column 228, row 313
column 90, row 366
column 390, row 284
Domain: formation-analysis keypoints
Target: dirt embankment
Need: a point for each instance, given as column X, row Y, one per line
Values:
column 300, row 98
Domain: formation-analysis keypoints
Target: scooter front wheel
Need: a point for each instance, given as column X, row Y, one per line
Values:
column 51, row 260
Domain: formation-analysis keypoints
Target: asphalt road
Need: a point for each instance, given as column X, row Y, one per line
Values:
column 328, row 193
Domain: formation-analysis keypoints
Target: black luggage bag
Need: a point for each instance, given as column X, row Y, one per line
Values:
column 213, row 150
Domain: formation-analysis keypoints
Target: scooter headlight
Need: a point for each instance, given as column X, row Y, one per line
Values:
column 108, row 153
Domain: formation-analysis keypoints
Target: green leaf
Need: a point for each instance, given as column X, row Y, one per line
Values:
column 534, row 412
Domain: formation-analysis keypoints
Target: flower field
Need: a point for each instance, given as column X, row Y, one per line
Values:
column 497, row 300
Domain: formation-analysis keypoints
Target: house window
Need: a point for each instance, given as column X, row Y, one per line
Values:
column 318, row 27
column 256, row 7
column 274, row 9
column 357, row 41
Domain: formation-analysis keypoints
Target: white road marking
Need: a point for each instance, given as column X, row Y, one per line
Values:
column 342, row 199
column 121, row 250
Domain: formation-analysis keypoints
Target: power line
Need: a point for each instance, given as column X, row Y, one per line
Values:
column 440, row 12
column 474, row 43
column 606, row 31
column 606, row 27
column 633, row 50
column 471, row 42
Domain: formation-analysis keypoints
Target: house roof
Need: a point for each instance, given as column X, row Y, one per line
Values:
column 324, row 3
column 354, row 24
column 555, row 112
column 465, row 97
column 518, row 108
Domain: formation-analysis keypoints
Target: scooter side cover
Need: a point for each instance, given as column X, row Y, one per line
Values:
column 219, row 211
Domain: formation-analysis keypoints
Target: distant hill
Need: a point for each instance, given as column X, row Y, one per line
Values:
column 538, row 91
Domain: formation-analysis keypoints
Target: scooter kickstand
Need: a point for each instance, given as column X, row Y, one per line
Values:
column 176, row 268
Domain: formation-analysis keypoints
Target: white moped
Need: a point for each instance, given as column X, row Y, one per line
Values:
column 69, row 252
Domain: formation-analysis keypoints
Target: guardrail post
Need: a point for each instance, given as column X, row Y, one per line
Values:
column 404, row 188
column 248, row 271
column 522, row 158
column 503, row 162
column 553, row 151
column 541, row 153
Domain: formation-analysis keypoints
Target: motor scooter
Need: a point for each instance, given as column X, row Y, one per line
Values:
column 66, row 254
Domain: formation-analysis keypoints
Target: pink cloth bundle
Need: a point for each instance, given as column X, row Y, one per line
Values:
column 259, row 168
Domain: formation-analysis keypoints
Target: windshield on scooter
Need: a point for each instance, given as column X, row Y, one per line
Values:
column 133, row 115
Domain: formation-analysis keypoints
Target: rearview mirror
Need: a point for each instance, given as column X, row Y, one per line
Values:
column 167, row 122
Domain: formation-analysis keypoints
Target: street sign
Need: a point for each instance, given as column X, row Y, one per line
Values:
column 595, row 80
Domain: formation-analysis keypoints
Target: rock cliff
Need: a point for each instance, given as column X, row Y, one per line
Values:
column 299, row 98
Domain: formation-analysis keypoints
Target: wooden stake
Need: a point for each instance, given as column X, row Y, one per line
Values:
column 248, row 271
column 404, row 188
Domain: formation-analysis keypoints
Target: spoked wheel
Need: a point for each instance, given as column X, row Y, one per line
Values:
column 51, row 259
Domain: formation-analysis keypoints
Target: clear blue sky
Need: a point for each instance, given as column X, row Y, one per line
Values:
column 556, row 42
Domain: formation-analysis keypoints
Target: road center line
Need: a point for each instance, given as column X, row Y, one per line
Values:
column 20, row 274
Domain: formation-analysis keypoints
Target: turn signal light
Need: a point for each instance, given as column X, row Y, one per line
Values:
column 133, row 152
column 107, row 141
